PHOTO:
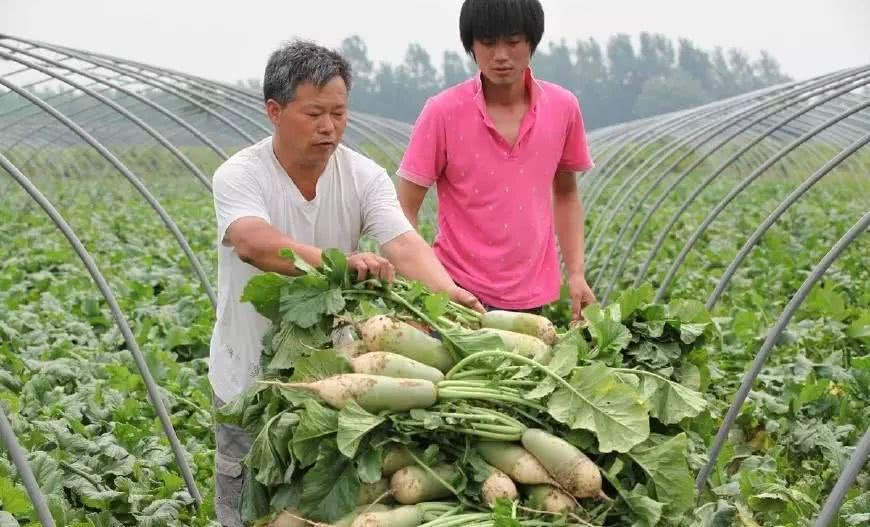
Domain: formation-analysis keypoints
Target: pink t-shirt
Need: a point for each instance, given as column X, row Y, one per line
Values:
column 495, row 202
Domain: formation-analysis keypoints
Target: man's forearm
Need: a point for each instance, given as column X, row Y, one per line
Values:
column 569, row 225
column 268, row 257
column 414, row 259
column 261, row 247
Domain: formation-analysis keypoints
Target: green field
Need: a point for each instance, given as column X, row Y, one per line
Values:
column 79, row 408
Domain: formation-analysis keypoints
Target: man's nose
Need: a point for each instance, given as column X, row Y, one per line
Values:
column 325, row 126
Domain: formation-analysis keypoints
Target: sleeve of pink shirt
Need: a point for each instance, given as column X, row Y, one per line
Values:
column 575, row 155
column 425, row 156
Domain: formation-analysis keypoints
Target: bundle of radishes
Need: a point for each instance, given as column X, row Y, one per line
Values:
column 426, row 413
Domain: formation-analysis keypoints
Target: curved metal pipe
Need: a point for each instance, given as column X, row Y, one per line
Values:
column 770, row 341
column 681, row 257
column 148, row 81
column 844, row 482
column 160, row 109
column 777, row 105
column 164, row 216
column 731, row 195
column 19, row 459
column 123, row 111
column 775, row 215
column 120, row 320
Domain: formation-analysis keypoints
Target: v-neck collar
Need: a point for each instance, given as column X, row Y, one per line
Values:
column 532, row 88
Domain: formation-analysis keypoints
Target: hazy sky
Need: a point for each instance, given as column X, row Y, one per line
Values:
column 230, row 40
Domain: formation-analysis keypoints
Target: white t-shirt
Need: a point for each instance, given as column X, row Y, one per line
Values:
column 355, row 197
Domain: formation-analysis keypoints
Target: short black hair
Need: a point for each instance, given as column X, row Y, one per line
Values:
column 494, row 19
column 301, row 61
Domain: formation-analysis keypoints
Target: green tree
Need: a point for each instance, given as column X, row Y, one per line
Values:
column 673, row 92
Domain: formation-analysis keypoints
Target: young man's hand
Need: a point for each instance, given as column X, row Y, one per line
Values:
column 581, row 295
column 461, row 296
column 370, row 264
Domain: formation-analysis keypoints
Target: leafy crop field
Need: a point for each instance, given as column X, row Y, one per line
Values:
column 79, row 408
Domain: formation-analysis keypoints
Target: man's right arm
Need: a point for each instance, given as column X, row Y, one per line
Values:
column 259, row 244
column 424, row 160
column 411, row 197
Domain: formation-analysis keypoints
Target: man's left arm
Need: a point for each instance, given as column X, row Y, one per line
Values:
column 568, row 208
column 409, row 253
column 414, row 259
column 569, row 224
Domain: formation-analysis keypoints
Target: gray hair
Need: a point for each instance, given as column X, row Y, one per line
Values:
column 300, row 61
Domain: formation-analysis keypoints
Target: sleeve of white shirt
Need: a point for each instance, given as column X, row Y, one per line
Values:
column 237, row 194
column 383, row 218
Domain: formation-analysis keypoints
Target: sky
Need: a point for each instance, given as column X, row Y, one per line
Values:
column 231, row 40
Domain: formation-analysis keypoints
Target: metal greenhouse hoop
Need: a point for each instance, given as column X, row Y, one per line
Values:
column 772, row 336
column 734, row 192
column 19, row 459
column 779, row 211
column 152, row 201
column 117, row 314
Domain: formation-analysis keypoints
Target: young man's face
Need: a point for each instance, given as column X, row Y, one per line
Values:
column 503, row 61
column 312, row 124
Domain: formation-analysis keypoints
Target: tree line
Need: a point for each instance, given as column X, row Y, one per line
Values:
column 616, row 81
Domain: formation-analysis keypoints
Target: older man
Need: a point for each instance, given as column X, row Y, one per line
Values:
column 299, row 189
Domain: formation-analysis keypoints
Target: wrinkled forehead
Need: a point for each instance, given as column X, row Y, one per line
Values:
column 332, row 93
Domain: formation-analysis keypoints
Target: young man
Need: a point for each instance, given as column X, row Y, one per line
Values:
column 503, row 149
column 300, row 189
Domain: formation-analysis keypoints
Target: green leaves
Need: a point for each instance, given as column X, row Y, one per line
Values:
column 690, row 317
column 315, row 424
column 330, row 487
column 306, row 299
column 608, row 333
column 668, row 401
column 320, row 365
column 630, row 300
column 353, row 424
column 665, row 463
column 292, row 343
column 597, row 401
column 266, row 458
column 13, row 498
column 567, row 353
column 264, row 292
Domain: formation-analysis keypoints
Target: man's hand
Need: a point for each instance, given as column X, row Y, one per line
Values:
column 370, row 264
column 461, row 296
column 581, row 295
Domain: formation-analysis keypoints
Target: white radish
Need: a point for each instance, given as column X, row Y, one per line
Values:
column 414, row 484
column 396, row 457
column 498, row 485
column 371, row 492
column 348, row 519
column 394, row 365
column 374, row 393
column 525, row 345
column 527, row 323
column 515, row 461
column 381, row 333
column 351, row 349
column 409, row 516
column 550, row 499
column 289, row 518
column 572, row 470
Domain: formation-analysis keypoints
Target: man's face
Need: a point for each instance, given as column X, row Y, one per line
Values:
column 312, row 124
column 503, row 61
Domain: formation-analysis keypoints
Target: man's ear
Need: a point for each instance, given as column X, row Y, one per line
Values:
column 273, row 110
